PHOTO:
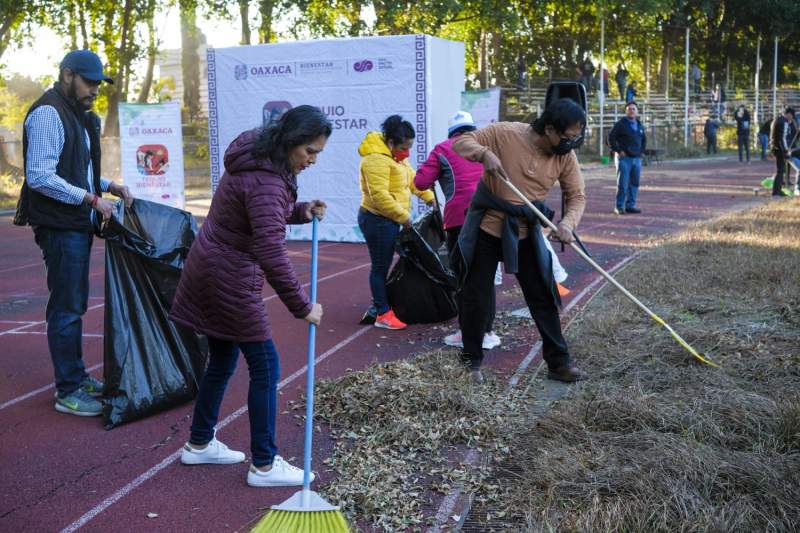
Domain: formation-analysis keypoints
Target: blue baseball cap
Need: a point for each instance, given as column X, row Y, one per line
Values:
column 85, row 63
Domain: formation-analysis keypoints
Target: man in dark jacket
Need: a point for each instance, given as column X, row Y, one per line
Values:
column 742, row 117
column 61, row 200
column 780, row 143
column 621, row 78
column 710, row 133
column 629, row 141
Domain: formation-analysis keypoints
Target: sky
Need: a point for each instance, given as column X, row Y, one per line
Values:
column 42, row 58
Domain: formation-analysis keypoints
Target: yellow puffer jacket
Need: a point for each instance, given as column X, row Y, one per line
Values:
column 386, row 185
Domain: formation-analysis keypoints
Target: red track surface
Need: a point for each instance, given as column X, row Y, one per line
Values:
column 60, row 471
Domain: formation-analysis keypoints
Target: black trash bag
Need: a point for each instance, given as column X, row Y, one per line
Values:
column 421, row 288
column 150, row 363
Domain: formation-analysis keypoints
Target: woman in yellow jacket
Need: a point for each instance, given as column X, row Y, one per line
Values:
column 387, row 181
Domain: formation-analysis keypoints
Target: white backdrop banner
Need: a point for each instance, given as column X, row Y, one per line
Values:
column 483, row 105
column 151, row 151
column 357, row 83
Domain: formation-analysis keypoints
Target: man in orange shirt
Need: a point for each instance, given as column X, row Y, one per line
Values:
column 499, row 227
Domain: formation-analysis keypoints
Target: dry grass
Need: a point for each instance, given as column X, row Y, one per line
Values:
column 657, row 442
column 653, row 442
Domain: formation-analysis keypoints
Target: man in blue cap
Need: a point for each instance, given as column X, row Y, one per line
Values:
column 62, row 200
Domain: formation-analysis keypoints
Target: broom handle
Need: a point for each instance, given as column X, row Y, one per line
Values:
column 606, row 275
column 310, row 371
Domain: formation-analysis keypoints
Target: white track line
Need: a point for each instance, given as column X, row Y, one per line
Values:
column 127, row 489
column 32, row 393
column 447, row 507
column 39, row 322
column 87, row 335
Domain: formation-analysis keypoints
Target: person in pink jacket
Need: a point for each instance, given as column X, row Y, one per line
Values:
column 458, row 179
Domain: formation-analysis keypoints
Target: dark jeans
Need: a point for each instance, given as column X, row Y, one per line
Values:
column 476, row 300
column 711, row 144
column 452, row 241
column 763, row 140
column 780, row 168
column 380, row 234
column 629, row 169
column 262, row 359
column 743, row 142
column 66, row 258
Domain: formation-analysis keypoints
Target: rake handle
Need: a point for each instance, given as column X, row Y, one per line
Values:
column 605, row 274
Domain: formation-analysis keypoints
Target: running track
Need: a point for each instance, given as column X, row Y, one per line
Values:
column 63, row 473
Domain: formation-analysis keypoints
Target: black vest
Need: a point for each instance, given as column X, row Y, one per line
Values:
column 37, row 209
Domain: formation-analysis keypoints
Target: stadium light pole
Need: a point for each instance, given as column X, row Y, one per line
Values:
column 686, row 96
column 775, row 81
column 756, row 118
column 602, row 91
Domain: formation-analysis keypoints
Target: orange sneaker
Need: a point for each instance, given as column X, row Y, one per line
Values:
column 388, row 320
column 562, row 290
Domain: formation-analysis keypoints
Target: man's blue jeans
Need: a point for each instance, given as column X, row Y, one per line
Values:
column 629, row 169
column 763, row 140
column 66, row 258
column 262, row 359
column 380, row 234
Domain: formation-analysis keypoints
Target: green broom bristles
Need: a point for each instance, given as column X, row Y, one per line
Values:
column 302, row 522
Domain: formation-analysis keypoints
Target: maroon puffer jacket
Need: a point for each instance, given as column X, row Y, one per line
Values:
column 243, row 238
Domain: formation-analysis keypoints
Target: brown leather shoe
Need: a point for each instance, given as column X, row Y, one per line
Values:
column 567, row 374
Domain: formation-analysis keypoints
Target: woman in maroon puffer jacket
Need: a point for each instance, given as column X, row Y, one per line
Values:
column 241, row 243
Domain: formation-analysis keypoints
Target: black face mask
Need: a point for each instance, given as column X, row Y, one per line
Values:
column 565, row 145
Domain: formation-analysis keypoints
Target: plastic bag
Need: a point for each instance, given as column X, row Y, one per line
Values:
column 150, row 363
column 421, row 288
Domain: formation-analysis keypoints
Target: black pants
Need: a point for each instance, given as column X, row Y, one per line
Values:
column 711, row 144
column 452, row 241
column 780, row 164
column 478, row 291
column 743, row 142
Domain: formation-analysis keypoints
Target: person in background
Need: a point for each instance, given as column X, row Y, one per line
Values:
column 458, row 179
column 629, row 141
column 621, row 77
column 742, row 117
column 781, row 142
column 763, row 138
column 497, row 226
column 61, row 199
column 605, row 82
column 386, row 181
column 719, row 99
column 630, row 93
column 710, row 133
column 697, row 75
column 241, row 244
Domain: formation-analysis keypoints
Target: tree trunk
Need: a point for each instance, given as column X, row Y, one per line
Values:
column 72, row 25
column 244, row 14
column 82, row 21
column 123, row 62
column 152, row 51
column 663, row 69
column 483, row 68
column 7, row 24
column 190, row 62
column 354, row 18
column 265, row 34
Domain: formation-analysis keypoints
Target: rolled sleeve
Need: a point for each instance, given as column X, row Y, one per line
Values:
column 45, row 142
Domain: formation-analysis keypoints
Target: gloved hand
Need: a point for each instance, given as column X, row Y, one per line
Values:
column 563, row 233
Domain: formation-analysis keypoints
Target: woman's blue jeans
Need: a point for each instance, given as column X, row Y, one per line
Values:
column 380, row 234
column 262, row 359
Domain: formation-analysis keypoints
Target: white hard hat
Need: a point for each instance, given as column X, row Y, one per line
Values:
column 459, row 120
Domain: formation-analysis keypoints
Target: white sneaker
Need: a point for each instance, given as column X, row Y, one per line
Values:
column 454, row 339
column 491, row 340
column 216, row 453
column 282, row 474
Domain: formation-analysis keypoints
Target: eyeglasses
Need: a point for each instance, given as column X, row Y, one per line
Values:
column 572, row 140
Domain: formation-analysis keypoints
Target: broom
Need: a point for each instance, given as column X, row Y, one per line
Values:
column 306, row 511
column 504, row 178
